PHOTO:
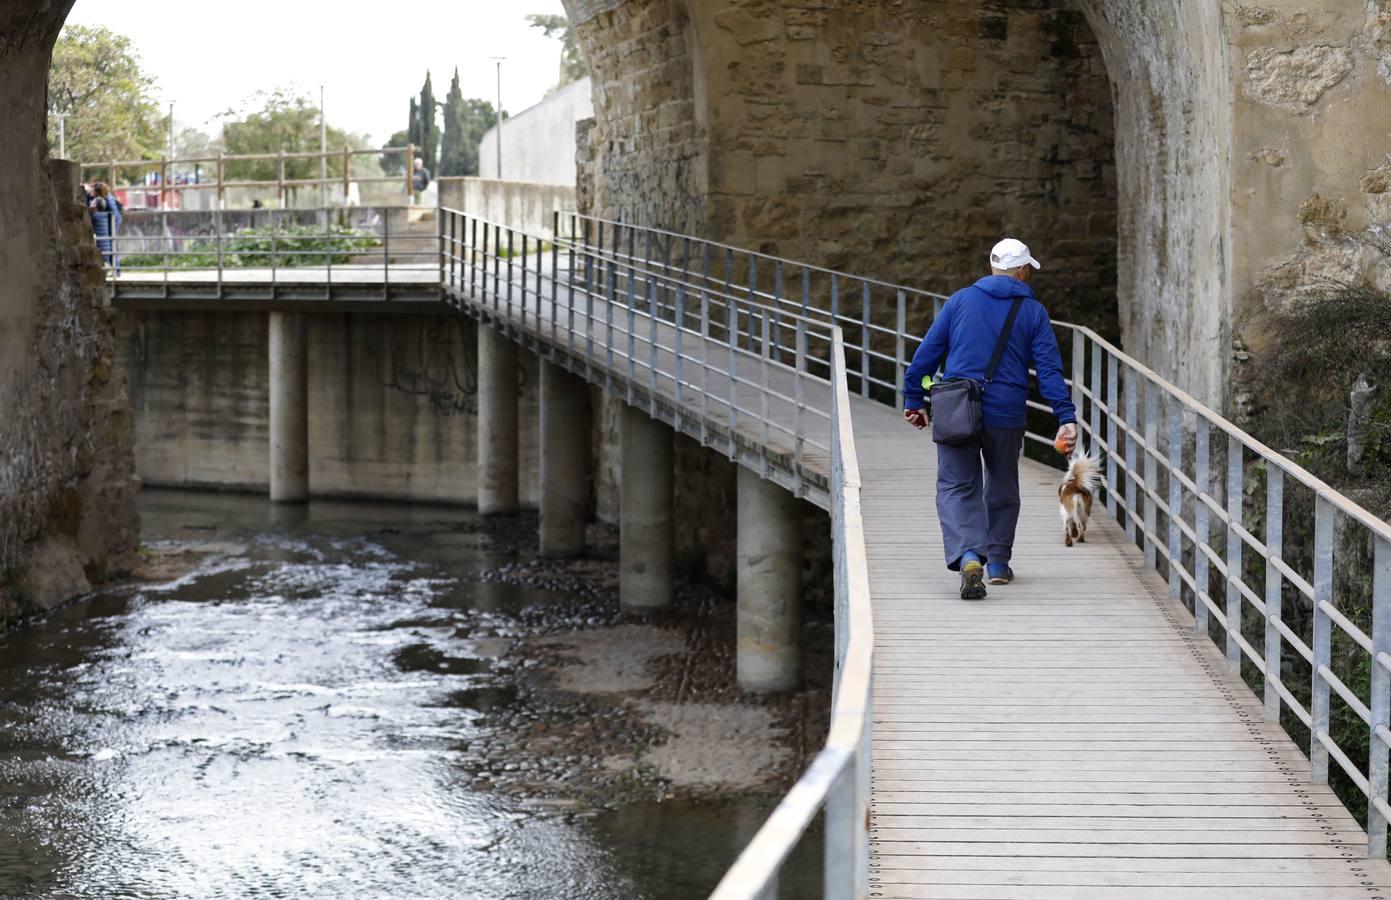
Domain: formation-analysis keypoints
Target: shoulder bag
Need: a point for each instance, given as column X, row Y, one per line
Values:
column 957, row 414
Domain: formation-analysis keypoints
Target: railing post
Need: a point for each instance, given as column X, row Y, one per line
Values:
column 473, row 255
column 799, row 396
column 680, row 311
column 865, row 340
column 1323, row 639
column 1079, row 368
column 1095, row 390
column 1201, row 464
column 555, row 279
column 1112, row 392
column 1175, row 498
column 900, row 368
column 1380, row 699
column 1274, row 547
column 1234, row 598
column 1151, row 518
column 838, row 867
column 525, row 244
column 1132, row 477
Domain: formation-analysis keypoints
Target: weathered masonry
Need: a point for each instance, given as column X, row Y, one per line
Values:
column 67, row 486
column 1187, row 159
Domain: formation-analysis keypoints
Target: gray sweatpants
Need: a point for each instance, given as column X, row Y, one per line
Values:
column 979, row 513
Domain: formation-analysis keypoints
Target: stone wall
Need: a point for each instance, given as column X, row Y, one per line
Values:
column 392, row 404
column 903, row 140
column 67, row 485
column 648, row 145
column 899, row 139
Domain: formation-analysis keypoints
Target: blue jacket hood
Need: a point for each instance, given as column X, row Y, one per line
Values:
column 1003, row 287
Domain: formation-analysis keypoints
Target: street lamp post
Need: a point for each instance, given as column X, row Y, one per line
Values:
column 323, row 152
column 499, row 60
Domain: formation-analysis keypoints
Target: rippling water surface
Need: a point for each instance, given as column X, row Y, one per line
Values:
column 292, row 719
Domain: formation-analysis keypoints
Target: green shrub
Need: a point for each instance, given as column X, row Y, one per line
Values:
column 285, row 246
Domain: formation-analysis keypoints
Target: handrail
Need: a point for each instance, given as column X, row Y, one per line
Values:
column 838, row 778
column 1180, row 496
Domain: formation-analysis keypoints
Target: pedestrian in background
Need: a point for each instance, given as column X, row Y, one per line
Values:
column 107, row 213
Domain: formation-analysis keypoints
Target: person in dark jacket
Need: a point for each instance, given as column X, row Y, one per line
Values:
column 978, row 515
column 106, row 221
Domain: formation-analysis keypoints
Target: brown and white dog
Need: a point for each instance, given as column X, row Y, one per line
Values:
column 1075, row 494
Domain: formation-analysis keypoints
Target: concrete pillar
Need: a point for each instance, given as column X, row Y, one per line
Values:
column 289, row 407
column 769, row 578
column 497, row 422
column 564, row 461
column 645, row 537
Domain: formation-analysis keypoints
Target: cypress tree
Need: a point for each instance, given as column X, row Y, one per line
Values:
column 429, row 132
column 454, row 141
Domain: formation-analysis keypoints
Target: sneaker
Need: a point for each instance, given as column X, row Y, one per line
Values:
column 999, row 573
column 972, row 581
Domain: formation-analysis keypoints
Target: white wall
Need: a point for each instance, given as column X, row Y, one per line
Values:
column 519, row 204
column 538, row 144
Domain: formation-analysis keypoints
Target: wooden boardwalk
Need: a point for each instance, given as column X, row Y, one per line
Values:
column 1070, row 736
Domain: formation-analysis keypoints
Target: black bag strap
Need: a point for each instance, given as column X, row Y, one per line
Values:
column 1004, row 339
column 1000, row 345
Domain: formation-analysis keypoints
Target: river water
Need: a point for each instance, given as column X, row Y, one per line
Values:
column 293, row 718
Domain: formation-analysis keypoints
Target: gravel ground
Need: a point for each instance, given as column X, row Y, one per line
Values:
column 612, row 708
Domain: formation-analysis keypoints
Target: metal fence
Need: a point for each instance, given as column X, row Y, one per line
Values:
column 206, row 251
column 672, row 340
column 161, row 177
column 1248, row 540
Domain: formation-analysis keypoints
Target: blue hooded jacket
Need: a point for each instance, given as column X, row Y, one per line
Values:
column 968, row 328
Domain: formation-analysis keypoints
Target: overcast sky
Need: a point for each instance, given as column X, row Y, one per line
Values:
column 370, row 57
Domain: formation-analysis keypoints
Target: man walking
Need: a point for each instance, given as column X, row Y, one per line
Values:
column 978, row 517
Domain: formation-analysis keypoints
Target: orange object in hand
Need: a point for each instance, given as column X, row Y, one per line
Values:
column 1061, row 445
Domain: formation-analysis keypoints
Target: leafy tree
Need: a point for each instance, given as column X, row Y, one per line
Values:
column 572, row 64
column 280, row 121
column 395, row 163
column 97, row 83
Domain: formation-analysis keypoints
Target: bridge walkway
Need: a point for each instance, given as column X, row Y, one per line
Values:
column 1071, row 736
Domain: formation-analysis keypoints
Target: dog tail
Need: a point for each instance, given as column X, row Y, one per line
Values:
column 1084, row 469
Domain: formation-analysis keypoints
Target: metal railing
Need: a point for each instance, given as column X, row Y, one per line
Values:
column 205, row 251
column 1216, row 517
column 161, row 177
column 1212, row 518
column 659, row 341
column 615, row 318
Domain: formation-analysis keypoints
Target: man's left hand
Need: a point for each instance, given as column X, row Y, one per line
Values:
column 1067, row 437
column 917, row 418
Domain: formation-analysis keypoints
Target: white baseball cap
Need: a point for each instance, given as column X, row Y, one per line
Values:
column 1011, row 254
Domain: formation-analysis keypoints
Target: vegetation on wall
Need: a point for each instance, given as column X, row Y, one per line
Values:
column 1322, row 373
column 572, row 64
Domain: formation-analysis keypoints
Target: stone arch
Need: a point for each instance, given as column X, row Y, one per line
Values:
column 894, row 139
column 1170, row 75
